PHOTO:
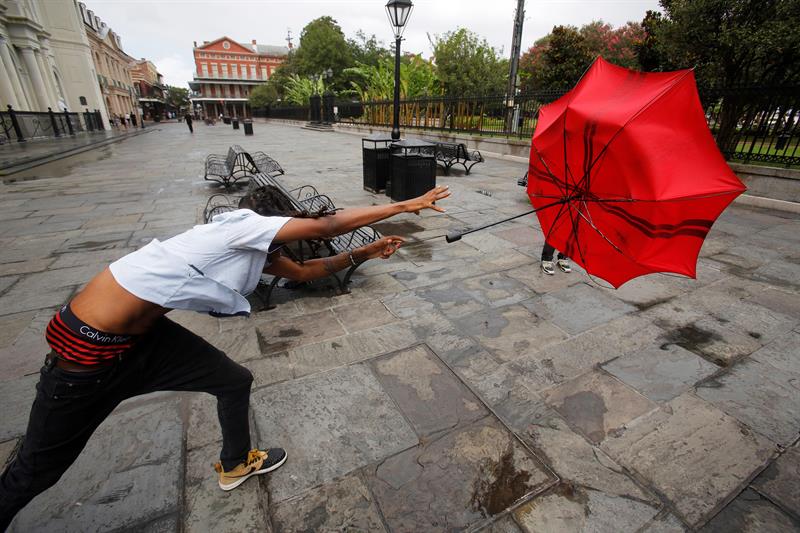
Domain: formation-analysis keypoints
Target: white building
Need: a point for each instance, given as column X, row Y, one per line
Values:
column 45, row 58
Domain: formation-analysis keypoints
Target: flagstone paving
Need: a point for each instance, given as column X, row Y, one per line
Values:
column 455, row 387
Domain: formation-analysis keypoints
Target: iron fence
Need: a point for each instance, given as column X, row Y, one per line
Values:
column 755, row 124
column 284, row 112
column 750, row 124
column 485, row 115
column 21, row 126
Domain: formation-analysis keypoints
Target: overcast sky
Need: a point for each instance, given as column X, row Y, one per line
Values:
column 163, row 30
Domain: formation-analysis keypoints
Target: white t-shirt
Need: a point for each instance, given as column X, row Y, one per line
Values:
column 207, row 269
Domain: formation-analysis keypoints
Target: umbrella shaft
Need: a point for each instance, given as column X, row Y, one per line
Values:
column 454, row 236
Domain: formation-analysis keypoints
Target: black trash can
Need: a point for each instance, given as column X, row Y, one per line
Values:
column 375, row 150
column 226, row 120
column 413, row 166
column 248, row 126
column 235, row 123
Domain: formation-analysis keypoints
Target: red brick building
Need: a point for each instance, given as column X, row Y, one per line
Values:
column 226, row 72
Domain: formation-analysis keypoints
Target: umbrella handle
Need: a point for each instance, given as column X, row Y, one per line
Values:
column 455, row 235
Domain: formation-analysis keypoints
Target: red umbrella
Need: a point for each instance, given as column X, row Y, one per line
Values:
column 625, row 175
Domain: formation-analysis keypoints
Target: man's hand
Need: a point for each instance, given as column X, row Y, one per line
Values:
column 383, row 248
column 427, row 200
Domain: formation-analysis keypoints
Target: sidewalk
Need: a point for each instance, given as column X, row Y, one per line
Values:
column 455, row 388
column 16, row 156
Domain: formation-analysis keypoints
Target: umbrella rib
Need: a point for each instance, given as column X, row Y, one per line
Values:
column 577, row 237
column 635, row 115
column 555, row 221
column 617, row 248
column 678, row 199
column 549, row 172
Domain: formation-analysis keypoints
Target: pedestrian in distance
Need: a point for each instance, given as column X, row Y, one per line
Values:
column 188, row 118
column 113, row 340
column 547, row 261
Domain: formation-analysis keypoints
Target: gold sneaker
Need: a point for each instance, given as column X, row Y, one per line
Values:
column 258, row 462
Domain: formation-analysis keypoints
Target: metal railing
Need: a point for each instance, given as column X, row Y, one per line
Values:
column 284, row 112
column 750, row 124
column 755, row 124
column 485, row 115
column 21, row 126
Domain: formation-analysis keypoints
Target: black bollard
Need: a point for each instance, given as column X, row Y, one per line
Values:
column 53, row 121
column 15, row 124
column 69, row 122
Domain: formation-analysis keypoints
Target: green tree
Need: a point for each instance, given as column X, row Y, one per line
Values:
column 563, row 60
column 729, row 42
column 298, row 90
column 557, row 60
column 417, row 79
column 323, row 46
column 531, row 62
column 280, row 76
column 368, row 50
column 618, row 46
column 177, row 97
column 467, row 65
column 263, row 95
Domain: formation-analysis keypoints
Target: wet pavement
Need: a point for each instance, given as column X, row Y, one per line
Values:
column 455, row 387
column 17, row 157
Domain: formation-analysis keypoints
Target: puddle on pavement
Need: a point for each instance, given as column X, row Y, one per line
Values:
column 93, row 245
column 269, row 348
column 694, row 339
column 403, row 228
column 505, row 486
column 417, row 251
column 62, row 167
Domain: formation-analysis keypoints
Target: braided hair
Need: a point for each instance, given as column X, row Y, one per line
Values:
column 269, row 201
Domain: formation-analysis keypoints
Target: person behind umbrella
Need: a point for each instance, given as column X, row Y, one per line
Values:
column 547, row 261
column 113, row 340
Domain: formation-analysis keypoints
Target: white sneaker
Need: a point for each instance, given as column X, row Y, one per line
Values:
column 563, row 264
column 547, row 268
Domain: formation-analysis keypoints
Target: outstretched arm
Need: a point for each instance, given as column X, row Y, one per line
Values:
column 347, row 220
column 320, row 268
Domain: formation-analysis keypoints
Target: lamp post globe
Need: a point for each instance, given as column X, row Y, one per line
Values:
column 398, row 12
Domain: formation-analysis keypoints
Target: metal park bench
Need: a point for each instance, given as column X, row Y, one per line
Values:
column 305, row 198
column 261, row 163
column 449, row 154
column 217, row 204
column 308, row 198
column 228, row 169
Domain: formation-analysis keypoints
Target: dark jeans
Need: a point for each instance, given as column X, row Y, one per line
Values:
column 191, row 129
column 70, row 405
column 547, row 253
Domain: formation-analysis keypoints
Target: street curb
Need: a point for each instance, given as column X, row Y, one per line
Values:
column 14, row 169
column 768, row 203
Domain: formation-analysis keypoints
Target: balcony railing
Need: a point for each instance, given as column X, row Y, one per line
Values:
column 212, row 76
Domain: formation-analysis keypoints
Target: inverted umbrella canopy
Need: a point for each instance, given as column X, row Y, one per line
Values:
column 625, row 174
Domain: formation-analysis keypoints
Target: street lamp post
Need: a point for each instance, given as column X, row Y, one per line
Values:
column 327, row 97
column 398, row 11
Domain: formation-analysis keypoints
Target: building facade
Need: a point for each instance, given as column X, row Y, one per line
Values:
column 112, row 65
column 226, row 72
column 149, row 86
column 45, row 58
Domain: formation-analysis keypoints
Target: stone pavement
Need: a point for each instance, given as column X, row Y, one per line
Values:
column 16, row 156
column 455, row 387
